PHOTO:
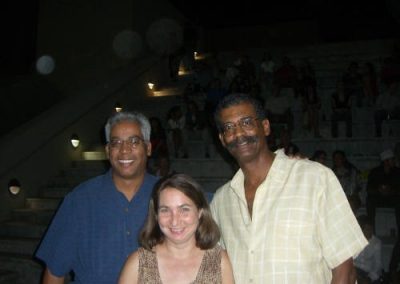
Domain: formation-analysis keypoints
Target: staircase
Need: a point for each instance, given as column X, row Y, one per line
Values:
column 20, row 236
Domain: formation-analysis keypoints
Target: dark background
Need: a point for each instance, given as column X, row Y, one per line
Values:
column 337, row 20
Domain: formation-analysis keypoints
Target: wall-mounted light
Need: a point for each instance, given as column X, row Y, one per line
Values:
column 14, row 186
column 195, row 54
column 150, row 85
column 75, row 140
column 118, row 107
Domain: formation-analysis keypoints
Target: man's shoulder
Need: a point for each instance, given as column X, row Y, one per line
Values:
column 91, row 184
column 298, row 164
column 148, row 183
column 222, row 190
column 151, row 179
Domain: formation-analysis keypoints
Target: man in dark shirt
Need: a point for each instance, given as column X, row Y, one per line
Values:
column 97, row 225
column 383, row 187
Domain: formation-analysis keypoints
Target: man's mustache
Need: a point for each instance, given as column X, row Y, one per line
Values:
column 242, row 139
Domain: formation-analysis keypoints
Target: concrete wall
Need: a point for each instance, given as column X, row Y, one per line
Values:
column 295, row 33
column 39, row 149
column 79, row 35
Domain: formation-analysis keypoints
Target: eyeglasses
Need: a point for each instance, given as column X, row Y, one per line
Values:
column 246, row 123
column 132, row 142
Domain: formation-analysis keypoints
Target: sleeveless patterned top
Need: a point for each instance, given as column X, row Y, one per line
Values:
column 209, row 271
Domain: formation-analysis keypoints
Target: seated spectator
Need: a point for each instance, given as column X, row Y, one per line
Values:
column 319, row 156
column 176, row 124
column 266, row 75
column 306, row 79
column 279, row 109
column 353, row 85
column 196, row 120
column 397, row 154
column 387, row 107
column 271, row 141
column 341, row 110
column 312, row 105
column 370, row 83
column 286, row 144
column 394, row 272
column 285, row 76
column 349, row 178
column 240, row 84
column 347, row 173
column 158, row 138
column 247, row 69
column 383, row 187
column 390, row 71
column 214, row 93
column 163, row 167
column 368, row 263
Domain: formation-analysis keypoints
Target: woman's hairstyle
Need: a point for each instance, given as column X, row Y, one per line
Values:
column 237, row 99
column 207, row 233
column 136, row 117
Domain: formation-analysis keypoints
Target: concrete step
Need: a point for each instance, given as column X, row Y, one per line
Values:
column 62, row 181
column 385, row 230
column 211, row 184
column 23, row 246
column 94, row 155
column 42, row 203
column 362, row 151
column 387, row 248
column 21, row 229
column 197, row 149
column 55, row 191
column 80, row 171
column 27, row 269
column 203, row 167
column 8, row 277
column 92, row 165
column 83, row 174
column 391, row 128
column 34, row 216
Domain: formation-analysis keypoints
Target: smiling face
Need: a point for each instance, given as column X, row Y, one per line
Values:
column 178, row 217
column 128, row 161
column 244, row 143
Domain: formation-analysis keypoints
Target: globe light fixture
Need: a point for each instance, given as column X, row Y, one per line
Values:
column 75, row 140
column 14, row 187
column 118, row 107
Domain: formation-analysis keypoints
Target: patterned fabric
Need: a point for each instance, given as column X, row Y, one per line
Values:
column 209, row 271
column 301, row 228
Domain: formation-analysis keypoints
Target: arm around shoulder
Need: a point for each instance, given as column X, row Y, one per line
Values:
column 226, row 269
column 50, row 278
column 130, row 271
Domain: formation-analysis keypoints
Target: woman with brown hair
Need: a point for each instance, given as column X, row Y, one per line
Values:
column 179, row 239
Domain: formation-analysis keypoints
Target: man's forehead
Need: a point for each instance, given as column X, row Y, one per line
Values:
column 238, row 111
column 126, row 125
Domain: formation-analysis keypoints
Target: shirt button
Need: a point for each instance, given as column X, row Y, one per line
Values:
column 128, row 233
column 251, row 280
column 252, row 251
column 126, row 210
